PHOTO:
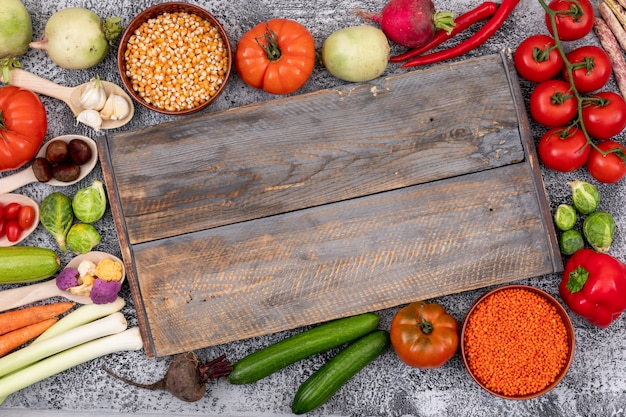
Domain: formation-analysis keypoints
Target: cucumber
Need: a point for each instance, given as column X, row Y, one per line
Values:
column 23, row 264
column 327, row 380
column 318, row 339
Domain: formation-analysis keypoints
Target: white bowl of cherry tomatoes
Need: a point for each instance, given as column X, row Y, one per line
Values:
column 19, row 217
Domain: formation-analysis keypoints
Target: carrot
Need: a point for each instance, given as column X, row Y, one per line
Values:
column 612, row 48
column 17, row 338
column 13, row 320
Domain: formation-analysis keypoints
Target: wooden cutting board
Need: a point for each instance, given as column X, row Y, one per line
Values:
column 303, row 209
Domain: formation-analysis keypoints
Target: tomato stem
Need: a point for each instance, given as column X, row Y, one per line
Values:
column 569, row 67
column 425, row 325
column 269, row 43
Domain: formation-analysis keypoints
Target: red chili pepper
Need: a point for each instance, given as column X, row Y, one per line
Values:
column 464, row 21
column 504, row 11
column 594, row 286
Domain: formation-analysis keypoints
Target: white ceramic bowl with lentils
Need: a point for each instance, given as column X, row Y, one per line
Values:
column 174, row 58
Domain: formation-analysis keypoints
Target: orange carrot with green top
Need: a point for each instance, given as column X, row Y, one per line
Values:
column 13, row 320
column 17, row 338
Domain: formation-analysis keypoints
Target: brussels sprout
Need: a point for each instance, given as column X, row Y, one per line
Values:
column 89, row 203
column 599, row 229
column 570, row 242
column 565, row 217
column 82, row 237
column 585, row 196
column 55, row 214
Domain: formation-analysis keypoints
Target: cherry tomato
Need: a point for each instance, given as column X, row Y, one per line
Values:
column 592, row 68
column 563, row 149
column 424, row 335
column 3, row 223
column 26, row 217
column 13, row 230
column 12, row 210
column 552, row 103
column 537, row 59
column 609, row 168
column 574, row 18
column 604, row 117
column 1, row 210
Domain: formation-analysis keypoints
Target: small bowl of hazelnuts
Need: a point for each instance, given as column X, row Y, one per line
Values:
column 65, row 160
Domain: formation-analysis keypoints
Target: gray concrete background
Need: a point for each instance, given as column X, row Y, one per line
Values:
column 594, row 386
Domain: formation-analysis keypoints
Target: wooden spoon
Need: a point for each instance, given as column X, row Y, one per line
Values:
column 70, row 95
column 27, row 175
column 27, row 294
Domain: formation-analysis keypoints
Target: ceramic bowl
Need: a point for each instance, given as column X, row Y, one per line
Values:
column 6, row 199
column 148, row 15
column 569, row 336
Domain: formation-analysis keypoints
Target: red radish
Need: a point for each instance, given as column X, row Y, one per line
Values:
column 410, row 23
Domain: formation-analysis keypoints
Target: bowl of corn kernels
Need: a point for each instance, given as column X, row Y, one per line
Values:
column 174, row 58
column 517, row 342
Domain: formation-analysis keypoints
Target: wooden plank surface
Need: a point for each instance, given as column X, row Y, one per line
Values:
column 288, row 154
column 304, row 209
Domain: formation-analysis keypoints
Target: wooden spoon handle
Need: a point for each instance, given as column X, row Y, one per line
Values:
column 25, row 79
column 13, row 182
column 26, row 294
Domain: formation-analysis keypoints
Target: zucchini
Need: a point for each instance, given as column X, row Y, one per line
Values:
column 318, row 339
column 327, row 380
column 23, row 264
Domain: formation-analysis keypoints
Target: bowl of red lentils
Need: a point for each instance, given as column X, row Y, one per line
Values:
column 174, row 58
column 517, row 342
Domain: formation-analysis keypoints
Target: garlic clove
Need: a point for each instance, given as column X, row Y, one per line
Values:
column 93, row 96
column 91, row 118
column 115, row 108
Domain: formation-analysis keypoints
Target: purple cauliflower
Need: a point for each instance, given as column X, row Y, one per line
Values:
column 104, row 292
column 67, row 278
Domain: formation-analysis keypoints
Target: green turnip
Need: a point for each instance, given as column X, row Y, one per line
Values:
column 76, row 38
column 16, row 31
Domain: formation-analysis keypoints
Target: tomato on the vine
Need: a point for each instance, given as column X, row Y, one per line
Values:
column 591, row 68
column 277, row 56
column 574, row 19
column 12, row 230
column 424, row 335
column 609, row 168
column 537, row 59
column 23, row 126
column 552, row 103
column 563, row 149
column 604, row 114
column 26, row 217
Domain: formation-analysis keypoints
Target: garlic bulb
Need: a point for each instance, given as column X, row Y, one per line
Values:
column 94, row 96
column 91, row 118
column 115, row 108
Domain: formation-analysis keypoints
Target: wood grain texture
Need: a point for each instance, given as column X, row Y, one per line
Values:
column 304, row 209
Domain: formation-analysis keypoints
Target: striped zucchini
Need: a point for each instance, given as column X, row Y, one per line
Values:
column 327, row 380
column 23, row 264
column 318, row 339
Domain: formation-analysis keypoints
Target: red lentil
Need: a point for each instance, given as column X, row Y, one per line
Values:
column 515, row 342
column 176, row 61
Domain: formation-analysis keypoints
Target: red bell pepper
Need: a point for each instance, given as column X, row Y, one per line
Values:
column 594, row 286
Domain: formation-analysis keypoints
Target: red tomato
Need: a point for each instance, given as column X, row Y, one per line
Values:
column 26, row 217
column 608, row 168
column 13, row 230
column 552, row 103
column 604, row 115
column 424, row 335
column 563, row 149
column 574, row 18
column 1, row 210
column 11, row 211
column 537, row 59
column 23, row 126
column 277, row 56
column 2, row 227
column 592, row 68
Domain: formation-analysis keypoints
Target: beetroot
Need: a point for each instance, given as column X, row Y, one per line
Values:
column 186, row 377
column 410, row 23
